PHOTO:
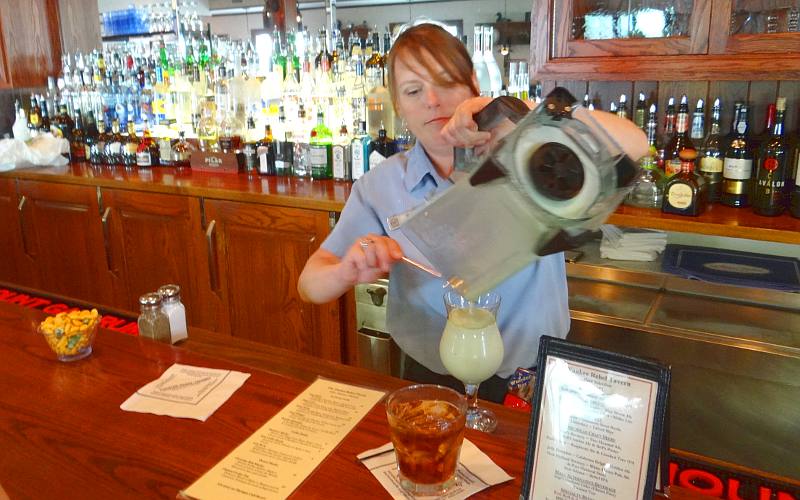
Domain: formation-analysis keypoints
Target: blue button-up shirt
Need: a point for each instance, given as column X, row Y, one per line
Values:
column 533, row 301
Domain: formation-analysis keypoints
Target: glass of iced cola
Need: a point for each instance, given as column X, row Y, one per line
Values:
column 426, row 423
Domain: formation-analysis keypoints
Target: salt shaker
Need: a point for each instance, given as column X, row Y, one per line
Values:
column 153, row 323
column 172, row 306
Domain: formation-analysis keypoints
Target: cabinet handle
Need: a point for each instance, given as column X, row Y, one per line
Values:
column 20, row 209
column 212, row 256
column 106, row 237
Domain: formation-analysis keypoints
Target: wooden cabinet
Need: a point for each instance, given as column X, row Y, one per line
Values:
column 14, row 265
column 153, row 239
column 30, row 40
column 256, row 255
column 63, row 237
column 702, row 49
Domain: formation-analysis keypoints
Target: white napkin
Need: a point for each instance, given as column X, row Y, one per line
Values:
column 41, row 150
column 631, row 243
column 475, row 472
column 185, row 391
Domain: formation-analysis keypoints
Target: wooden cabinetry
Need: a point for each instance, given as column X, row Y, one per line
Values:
column 153, row 239
column 63, row 237
column 707, row 51
column 13, row 262
column 30, row 41
column 256, row 255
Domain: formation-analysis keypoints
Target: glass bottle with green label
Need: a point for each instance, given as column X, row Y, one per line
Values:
column 320, row 150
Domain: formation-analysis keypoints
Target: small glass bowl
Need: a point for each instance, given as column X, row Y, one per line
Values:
column 71, row 345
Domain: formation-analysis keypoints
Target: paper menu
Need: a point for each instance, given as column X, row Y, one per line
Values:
column 280, row 455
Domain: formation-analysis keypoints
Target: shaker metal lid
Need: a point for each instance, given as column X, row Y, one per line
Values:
column 169, row 291
column 150, row 299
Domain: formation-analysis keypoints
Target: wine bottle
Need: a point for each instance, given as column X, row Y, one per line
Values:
column 711, row 156
column 737, row 168
column 770, row 190
column 380, row 149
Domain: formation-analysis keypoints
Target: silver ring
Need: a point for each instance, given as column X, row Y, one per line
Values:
column 365, row 242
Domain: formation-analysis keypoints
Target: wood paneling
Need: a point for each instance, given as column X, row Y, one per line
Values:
column 604, row 93
column 729, row 93
column 759, row 95
column 65, row 239
column 791, row 91
column 32, row 41
column 577, row 88
column 155, row 239
column 80, row 26
column 259, row 252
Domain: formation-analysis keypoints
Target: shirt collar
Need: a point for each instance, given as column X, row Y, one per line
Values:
column 418, row 166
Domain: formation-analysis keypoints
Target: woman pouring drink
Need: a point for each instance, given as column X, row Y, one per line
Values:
column 434, row 89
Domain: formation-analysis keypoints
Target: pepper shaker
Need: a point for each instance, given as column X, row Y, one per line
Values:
column 153, row 323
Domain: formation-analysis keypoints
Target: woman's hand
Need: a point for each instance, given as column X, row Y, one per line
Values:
column 462, row 131
column 368, row 259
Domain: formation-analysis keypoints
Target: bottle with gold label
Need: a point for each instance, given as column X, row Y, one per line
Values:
column 130, row 145
column 685, row 192
column 737, row 168
column 182, row 150
column 711, row 156
column 114, row 145
column 147, row 150
column 77, row 148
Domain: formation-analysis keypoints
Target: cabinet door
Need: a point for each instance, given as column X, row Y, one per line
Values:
column 4, row 75
column 155, row 239
column 257, row 254
column 15, row 266
column 64, row 238
column 755, row 27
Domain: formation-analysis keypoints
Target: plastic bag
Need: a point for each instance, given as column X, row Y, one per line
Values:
column 43, row 150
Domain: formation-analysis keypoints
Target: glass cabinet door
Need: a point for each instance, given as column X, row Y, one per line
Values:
column 757, row 26
column 630, row 27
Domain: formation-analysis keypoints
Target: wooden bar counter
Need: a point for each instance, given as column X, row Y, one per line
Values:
column 63, row 434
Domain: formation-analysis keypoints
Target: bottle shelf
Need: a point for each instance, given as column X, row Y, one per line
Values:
column 125, row 38
column 717, row 220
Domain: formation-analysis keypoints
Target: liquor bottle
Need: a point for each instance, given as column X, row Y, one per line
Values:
column 711, row 156
column 698, row 128
column 484, row 85
column 684, row 193
column 34, row 117
column 668, row 132
column 207, row 132
column 97, row 150
column 770, row 191
column 340, row 155
column 77, row 148
column 380, row 111
column 640, row 113
column 114, row 145
column 284, row 148
column 250, row 149
column 89, row 141
column 381, row 148
column 647, row 192
column 230, row 139
column 265, row 149
column 680, row 140
column 130, row 146
column 737, row 169
column 622, row 108
column 766, row 132
column 61, row 125
column 148, row 153
column 495, row 75
column 300, row 143
column 181, row 151
column 20, row 127
column 44, row 124
column 320, row 151
column 794, row 205
column 359, row 151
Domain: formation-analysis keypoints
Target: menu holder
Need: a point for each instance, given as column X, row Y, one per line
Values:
column 598, row 426
column 228, row 163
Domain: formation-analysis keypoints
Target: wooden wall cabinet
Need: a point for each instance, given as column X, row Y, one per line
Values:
column 30, row 42
column 706, row 52
column 256, row 255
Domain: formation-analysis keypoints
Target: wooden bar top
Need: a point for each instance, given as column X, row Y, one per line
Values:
column 63, row 434
column 281, row 191
column 718, row 220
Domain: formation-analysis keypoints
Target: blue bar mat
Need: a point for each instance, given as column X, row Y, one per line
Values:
column 733, row 267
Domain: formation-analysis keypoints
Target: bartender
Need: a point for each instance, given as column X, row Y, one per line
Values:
column 434, row 89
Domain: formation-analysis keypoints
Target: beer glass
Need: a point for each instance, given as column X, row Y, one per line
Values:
column 472, row 350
